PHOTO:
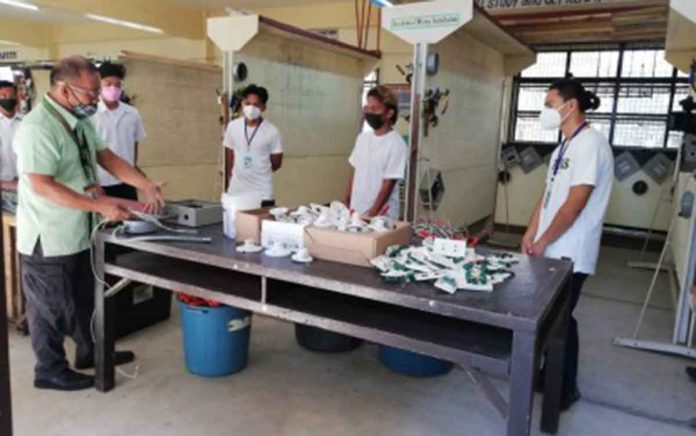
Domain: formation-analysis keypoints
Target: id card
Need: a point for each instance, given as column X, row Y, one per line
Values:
column 547, row 200
column 247, row 161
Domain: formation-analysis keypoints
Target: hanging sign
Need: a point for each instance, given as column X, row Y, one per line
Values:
column 508, row 5
column 427, row 22
column 8, row 56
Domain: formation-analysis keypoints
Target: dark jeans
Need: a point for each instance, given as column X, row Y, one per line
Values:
column 124, row 191
column 59, row 292
column 572, row 349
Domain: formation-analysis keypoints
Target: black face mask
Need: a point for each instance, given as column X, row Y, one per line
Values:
column 376, row 121
column 9, row 104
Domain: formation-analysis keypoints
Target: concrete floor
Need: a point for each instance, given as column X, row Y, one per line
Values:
column 288, row 391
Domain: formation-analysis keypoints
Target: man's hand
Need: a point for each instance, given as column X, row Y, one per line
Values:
column 110, row 210
column 527, row 243
column 154, row 199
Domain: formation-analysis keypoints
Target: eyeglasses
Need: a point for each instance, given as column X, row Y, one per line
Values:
column 91, row 93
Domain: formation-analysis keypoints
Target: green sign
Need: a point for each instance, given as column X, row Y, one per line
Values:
column 433, row 21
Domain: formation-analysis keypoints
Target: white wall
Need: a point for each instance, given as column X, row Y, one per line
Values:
column 314, row 101
column 625, row 208
column 464, row 146
column 180, row 113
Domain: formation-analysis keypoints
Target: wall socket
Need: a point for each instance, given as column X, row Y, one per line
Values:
column 449, row 247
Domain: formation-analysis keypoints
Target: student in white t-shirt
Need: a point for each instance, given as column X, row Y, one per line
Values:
column 567, row 221
column 119, row 125
column 378, row 159
column 254, row 148
column 9, row 122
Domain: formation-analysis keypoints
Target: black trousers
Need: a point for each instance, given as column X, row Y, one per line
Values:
column 572, row 348
column 59, row 292
column 123, row 190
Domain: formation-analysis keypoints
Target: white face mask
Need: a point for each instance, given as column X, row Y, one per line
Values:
column 550, row 118
column 251, row 112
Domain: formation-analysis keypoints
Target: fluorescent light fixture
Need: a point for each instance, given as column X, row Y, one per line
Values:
column 383, row 3
column 18, row 4
column 123, row 23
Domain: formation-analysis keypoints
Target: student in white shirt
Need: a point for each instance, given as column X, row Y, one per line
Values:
column 567, row 221
column 378, row 159
column 254, row 148
column 119, row 125
column 9, row 122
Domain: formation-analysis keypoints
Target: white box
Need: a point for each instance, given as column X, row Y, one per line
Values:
column 291, row 235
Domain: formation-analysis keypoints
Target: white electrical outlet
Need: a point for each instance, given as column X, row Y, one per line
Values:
column 449, row 247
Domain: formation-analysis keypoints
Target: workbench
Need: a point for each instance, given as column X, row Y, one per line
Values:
column 502, row 333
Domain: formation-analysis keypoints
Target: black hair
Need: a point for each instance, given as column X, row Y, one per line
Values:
column 7, row 84
column 110, row 69
column 570, row 88
column 258, row 91
column 388, row 99
column 71, row 68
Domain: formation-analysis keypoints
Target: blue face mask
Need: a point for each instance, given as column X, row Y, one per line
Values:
column 82, row 110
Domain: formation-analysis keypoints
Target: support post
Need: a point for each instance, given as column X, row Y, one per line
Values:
column 103, row 324
column 416, row 134
column 5, row 389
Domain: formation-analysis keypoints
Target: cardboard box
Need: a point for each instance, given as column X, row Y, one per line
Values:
column 352, row 248
column 248, row 224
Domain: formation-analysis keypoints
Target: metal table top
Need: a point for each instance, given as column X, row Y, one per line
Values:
column 521, row 303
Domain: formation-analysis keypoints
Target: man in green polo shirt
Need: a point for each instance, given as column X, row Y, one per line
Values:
column 58, row 195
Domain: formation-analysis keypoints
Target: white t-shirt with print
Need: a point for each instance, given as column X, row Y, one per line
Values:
column 120, row 128
column 588, row 160
column 375, row 159
column 252, row 172
column 8, row 157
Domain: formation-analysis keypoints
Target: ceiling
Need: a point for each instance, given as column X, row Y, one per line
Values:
column 253, row 3
column 608, row 21
column 613, row 21
column 43, row 15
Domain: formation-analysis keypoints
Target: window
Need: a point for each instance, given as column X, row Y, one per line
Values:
column 638, row 89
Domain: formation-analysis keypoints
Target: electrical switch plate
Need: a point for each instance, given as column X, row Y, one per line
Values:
column 530, row 160
column 510, row 157
column 449, row 247
column 659, row 168
column 625, row 165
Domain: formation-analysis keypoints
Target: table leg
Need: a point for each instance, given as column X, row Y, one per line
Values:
column 522, row 372
column 5, row 391
column 104, row 325
column 555, row 365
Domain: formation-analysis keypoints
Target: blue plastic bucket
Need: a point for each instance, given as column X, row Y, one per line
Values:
column 412, row 364
column 216, row 339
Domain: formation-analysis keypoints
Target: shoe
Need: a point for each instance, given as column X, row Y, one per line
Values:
column 68, row 380
column 691, row 372
column 568, row 400
column 120, row 358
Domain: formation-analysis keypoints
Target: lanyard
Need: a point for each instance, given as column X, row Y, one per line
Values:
column 82, row 146
column 246, row 133
column 564, row 147
column 86, row 162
